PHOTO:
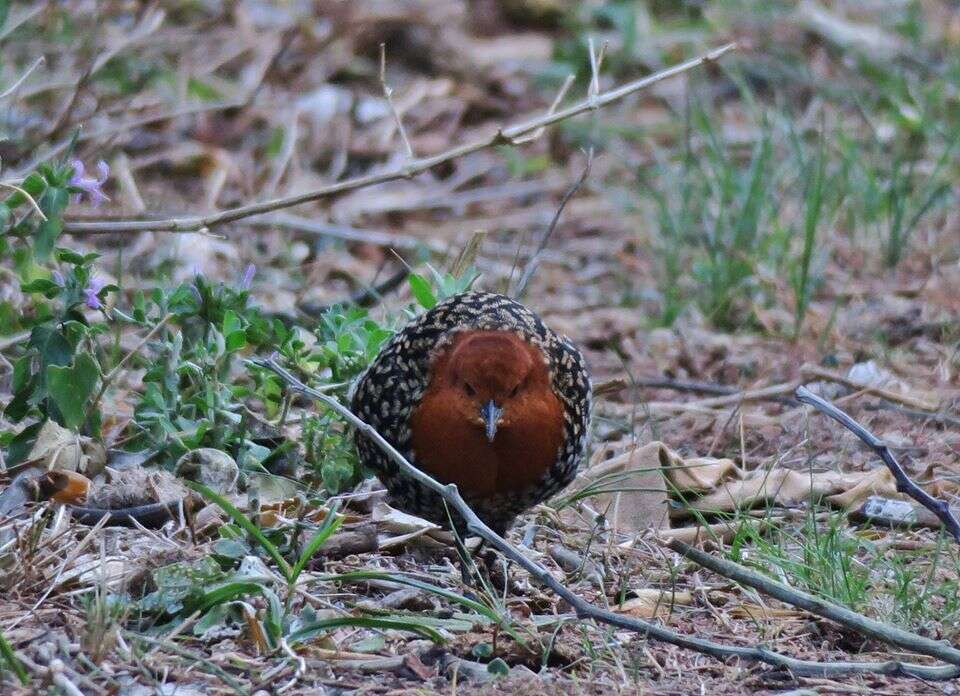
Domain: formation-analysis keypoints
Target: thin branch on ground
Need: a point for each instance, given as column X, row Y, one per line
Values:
column 812, row 373
column 584, row 609
column 821, row 607
column 904, row 483
column 364, row 297
column 940, row 418
column 502, row 136
column 618, row 384
column 534, row 261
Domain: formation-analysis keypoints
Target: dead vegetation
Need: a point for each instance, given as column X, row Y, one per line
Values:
column 783, row 216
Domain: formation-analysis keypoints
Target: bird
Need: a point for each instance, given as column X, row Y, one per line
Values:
column 476, row 391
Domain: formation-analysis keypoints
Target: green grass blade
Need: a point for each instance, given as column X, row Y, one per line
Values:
column 476, row 606
column 331, row 523
column 12, row 662
column 466, row 602
column 813, row 202
column 226, row 593
column 324, row 625
column 243, row 522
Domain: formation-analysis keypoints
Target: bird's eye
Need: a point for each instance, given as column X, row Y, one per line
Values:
column 469, row 389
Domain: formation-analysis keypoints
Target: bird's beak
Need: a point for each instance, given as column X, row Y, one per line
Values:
column 491, row 416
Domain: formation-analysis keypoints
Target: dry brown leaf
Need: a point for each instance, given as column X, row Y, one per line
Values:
column 637, row 497
column 275, row 512
column 786, row 487
column 650, row 603
column 415, row 665
column 59, row 448
column 389, row 519
column 700, row 474
column 67, row 487
column 878, row 481
column 757, row 612
column 255, row 629
column 396, row 528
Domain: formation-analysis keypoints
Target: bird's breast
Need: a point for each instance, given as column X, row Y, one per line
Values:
column 453, row 449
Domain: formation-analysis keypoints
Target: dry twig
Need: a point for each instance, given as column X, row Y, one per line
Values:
column 584, row 609
column 812, row 373
column 815, row 605
column 904, row 483
column 388, row 94
column 502, row 136
column 534, row 261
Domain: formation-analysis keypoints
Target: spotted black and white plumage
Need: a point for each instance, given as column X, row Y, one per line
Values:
column 388, row 392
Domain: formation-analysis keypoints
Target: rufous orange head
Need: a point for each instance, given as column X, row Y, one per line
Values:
column 489, row 375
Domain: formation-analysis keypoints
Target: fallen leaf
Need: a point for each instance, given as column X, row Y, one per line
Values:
column 57, row 447
column 756, row 612
column 877, row 481
column 650, row 603
column 629, row 488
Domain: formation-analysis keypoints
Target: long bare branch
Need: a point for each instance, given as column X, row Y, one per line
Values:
column 891, row 635
column 502, row 136
column 585, row 610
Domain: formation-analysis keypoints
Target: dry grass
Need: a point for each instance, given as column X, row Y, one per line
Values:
column 698, row 249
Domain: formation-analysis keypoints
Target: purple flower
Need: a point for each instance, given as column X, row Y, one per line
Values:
column 58, row 278
column 247, row 278
column 91, row 293
column 89, row 185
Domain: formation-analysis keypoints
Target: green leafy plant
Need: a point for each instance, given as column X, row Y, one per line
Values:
column 329, row 450
column 289, row 572
column 203, row 587
column 59, row 372
column 191, row 397
column 444, row 285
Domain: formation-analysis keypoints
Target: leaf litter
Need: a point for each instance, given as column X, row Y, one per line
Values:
column 274, row 100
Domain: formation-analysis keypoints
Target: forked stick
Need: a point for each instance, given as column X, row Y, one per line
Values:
column 904, row 482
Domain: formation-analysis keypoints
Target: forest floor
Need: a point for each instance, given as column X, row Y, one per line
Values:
column 784, row 215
